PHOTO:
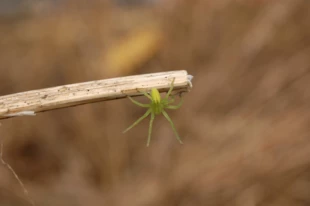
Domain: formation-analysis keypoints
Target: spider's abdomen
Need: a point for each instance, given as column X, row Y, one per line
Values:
column 157, row 106
column 155, row 95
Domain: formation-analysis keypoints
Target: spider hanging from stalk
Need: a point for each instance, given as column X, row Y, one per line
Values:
column 156, row 107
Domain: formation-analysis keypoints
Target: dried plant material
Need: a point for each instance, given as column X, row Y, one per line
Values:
column 246, row 125
column 31, row 102
column 8, row 166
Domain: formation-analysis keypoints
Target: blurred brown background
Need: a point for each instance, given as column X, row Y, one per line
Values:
column 245, row 124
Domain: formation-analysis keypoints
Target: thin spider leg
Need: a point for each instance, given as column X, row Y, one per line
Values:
column 172, row 125
column 171, row 100
column 165, row 102
column 146, row 94
column 138, row 103
column 175, row 106
column 150, row 129
column 139, row 120
column 170, row 90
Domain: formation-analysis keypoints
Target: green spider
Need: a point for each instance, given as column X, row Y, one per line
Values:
column 156, row 107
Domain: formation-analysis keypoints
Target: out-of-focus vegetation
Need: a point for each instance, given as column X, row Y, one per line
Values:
column 245, row 124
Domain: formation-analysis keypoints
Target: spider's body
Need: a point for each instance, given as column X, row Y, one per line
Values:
column 156, row 107
column 157, row 104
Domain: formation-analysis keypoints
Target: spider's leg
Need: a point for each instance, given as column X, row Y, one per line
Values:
column 138, row 103
column 146, row 94
column 139, row 120
column 150, row 129
column 171, row 100
column 170, row 90
column 175, row 106
column 172, row 125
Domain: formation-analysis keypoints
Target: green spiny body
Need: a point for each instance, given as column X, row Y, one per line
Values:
column 157, row 106
column 156, row 103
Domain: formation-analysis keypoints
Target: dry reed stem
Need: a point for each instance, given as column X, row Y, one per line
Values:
column 32, row 102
